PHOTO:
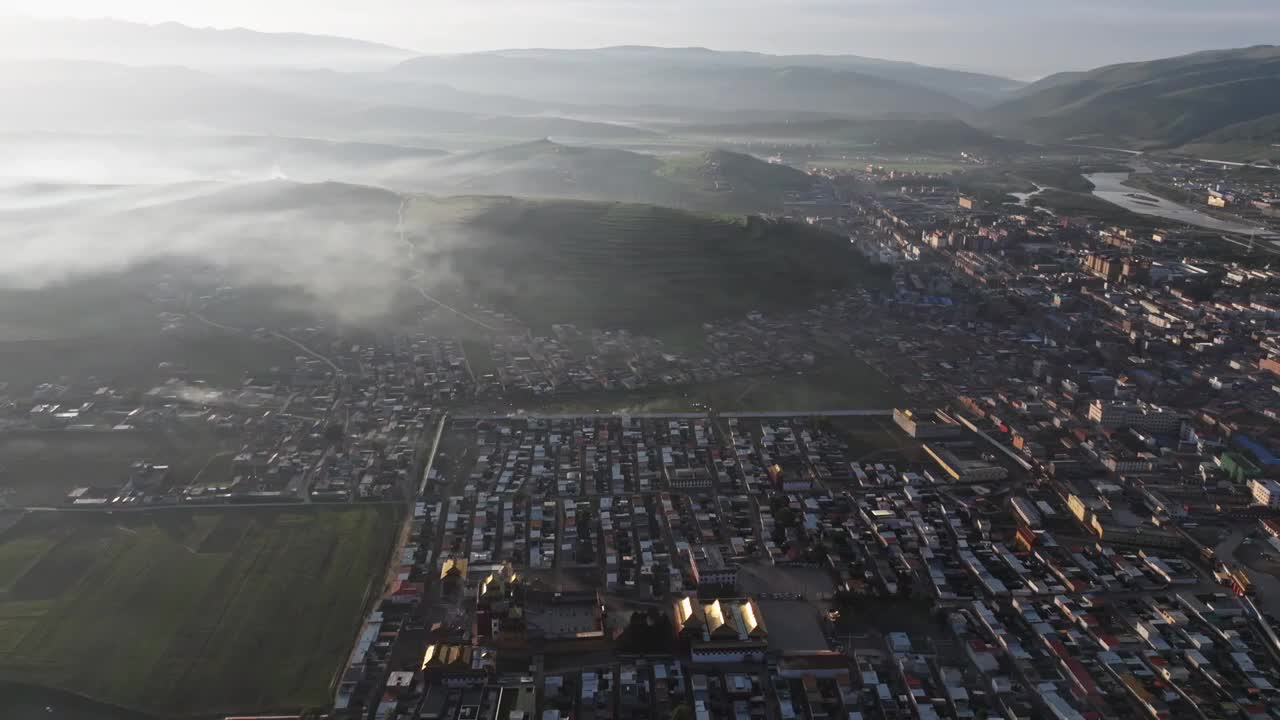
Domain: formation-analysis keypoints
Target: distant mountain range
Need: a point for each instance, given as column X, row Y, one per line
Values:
column 703, row 79
column 106, row 76
column 131, row 43
column 714, row 70
column 1207, row 97
column 95, row 97
column 518, row 81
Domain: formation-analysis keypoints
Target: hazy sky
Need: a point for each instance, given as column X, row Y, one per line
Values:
column 1020, row 38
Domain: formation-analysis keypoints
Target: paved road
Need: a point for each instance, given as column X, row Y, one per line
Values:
column 1022, row 463
column 332, row 365
column 431, row 459
column 1227, row 548
column 1268, row 585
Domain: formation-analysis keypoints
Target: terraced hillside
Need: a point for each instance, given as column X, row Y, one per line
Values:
column 627, row 266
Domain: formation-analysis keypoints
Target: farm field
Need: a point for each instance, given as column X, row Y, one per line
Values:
column 198, row 612
column 135, row 355
column 40, row 467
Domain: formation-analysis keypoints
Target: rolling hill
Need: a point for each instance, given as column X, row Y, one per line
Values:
column 403, row 120
column 341, row 250
column 373, row 89
column 331, row 246
column 736, row 179
column 626, row 265
column 716, row 180
column 1161, row 103
column 695, row 80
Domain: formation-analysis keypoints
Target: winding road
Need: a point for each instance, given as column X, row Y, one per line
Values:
column 400, row 233
column 277, row 335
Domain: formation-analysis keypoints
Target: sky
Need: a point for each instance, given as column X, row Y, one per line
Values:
column 1023, row 39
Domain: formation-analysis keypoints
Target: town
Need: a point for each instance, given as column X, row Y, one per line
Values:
column 1075, row 517
column 1067, row 506
column 565, row 360
column 757, row 565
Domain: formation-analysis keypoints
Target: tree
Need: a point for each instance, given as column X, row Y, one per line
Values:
column 334, row 434
column 682, row 712
column 786, row 517
column 647, row 632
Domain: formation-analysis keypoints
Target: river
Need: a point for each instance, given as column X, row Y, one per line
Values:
column 21, row 702
column 1024, row 197
column 1110, row 187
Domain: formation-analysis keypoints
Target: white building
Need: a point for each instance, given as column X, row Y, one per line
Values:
column 1265, row 491
column 1141, row 416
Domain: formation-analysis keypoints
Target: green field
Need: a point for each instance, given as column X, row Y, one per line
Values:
column 107, row 329
column 189, row 612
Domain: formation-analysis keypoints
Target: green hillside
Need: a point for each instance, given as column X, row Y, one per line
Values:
column 1160, row 103
column 741, row 180
column 339, row 250
column 1256, row 140
column 714, row 181
column 623, row 265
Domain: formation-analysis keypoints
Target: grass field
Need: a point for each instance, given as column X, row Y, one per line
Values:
column 106, row 328
column 132, row 359
column 924, row 166
column 189, row 612
column 878, row 440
